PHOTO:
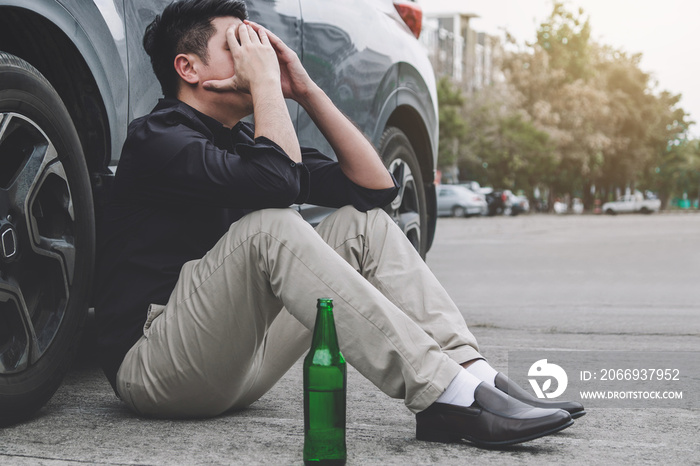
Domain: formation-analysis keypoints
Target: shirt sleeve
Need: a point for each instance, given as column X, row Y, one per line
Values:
column 330, row 187
column 175, row 164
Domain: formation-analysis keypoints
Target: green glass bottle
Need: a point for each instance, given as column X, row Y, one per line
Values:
column 324, row 393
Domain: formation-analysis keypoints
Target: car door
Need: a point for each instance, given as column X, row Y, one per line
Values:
column 626, row 204
column 347, row 50
column 345, row 55
column 447, row 199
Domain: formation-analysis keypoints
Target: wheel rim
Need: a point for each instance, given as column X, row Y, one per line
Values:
column 405, row 208
column 37, row 248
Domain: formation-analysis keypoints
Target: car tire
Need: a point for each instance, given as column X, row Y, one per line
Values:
column 610, row 212
column 48, row 240
column 409, row 208
column 459, row 211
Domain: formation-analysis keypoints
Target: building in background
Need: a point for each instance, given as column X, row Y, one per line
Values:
column 456, row 50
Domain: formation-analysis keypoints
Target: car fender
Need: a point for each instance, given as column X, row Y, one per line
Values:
column 103, row 50
column 404, row 109
column 411, row 91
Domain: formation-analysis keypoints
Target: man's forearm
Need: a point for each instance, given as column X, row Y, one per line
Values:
column 356, row 155
column 273, row 122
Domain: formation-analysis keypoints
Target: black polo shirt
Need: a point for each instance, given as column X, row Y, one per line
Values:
column 182, row 180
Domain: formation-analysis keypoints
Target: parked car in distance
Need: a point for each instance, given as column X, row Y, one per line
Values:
column 496, row 201
column 471, row 185
column 515, row 204
column 476, row 187
column 73, row 74
column 632, row 203
column 504, row 202
column 458, row 201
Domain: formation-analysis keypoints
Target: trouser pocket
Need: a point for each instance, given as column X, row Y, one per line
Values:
column 154, row 310
column 125, row 394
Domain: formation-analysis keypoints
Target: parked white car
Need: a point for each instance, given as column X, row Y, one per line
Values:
column 458, row 201
column 631, row 203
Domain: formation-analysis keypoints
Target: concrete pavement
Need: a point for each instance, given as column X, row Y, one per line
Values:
column 532, row 282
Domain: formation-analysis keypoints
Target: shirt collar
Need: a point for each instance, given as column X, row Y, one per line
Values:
column 217, row 129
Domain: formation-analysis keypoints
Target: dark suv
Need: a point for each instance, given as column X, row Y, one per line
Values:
column 73, row 74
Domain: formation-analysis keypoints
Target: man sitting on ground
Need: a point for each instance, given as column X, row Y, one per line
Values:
column 207, row 280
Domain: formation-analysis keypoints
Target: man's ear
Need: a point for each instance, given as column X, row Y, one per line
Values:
column 185, row 67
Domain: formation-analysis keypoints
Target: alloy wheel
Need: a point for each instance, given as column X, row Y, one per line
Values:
column 37, row 249
column 404, row 209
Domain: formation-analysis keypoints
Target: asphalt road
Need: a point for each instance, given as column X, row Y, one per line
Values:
column 529, row 283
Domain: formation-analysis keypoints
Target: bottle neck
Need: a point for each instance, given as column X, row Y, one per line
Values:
column 324, row 329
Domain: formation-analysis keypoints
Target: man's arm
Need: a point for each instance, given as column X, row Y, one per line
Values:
column 356, row 156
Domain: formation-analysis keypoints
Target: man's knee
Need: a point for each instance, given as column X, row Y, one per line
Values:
column 273, row 216
column 378, row 215
column 273, row 221
column 373, row 217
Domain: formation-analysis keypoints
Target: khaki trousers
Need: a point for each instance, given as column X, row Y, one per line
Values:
column 239, row 318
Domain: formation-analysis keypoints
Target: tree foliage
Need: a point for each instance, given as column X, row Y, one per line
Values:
column 452, row 125
column 565, row 37
column 571, row 115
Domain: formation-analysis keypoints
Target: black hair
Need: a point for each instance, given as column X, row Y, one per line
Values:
column 184, row 27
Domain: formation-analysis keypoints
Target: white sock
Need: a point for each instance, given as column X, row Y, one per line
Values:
column 461, row 390
column 483, row 371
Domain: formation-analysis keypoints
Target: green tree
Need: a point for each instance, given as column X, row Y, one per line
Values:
column 678, row 172
column 571, row 115
column 565, row 36
column 452, row 126
column 606, row 122
column 508, row 152
column 643, row 123
column 574, row 113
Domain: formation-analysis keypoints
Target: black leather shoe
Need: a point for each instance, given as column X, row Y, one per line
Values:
column 494, row 420
column 504, row 384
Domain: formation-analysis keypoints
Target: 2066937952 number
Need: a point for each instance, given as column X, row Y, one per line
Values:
column 639, row 374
